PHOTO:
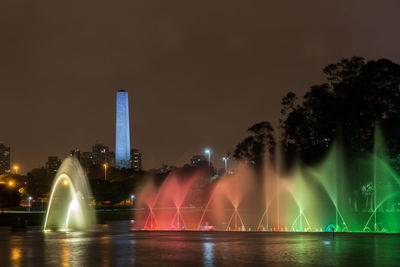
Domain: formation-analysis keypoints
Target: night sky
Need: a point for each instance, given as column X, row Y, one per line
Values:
column 199, row 73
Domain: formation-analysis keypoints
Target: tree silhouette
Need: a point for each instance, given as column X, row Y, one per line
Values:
column 254, row 147
column 355, row 97
column 9, row 197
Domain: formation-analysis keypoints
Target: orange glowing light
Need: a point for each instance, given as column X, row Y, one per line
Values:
column 65, row 182
column 16, row 167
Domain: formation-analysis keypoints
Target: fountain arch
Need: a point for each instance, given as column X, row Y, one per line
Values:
column 69, row 202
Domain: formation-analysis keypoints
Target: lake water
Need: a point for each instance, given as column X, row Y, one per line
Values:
column 118, row 247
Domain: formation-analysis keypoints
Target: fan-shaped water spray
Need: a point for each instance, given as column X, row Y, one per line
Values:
column 69, row 202
column 164, row 204
column 345, row 192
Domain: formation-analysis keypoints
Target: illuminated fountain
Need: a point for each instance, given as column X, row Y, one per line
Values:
column 290, row 201
column 230, row 197
column 327, row 197
column 148, row 197
column 330, row 175
column 385, row 193
column 69, row 203
column 358, row 194
column 177, row 192
column 165, row 204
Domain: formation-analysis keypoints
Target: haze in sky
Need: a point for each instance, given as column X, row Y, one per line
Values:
column 198, row 73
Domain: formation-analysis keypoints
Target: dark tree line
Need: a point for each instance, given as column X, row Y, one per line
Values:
column 38, row 183
column 356, row 96
column 260, row 143
column 9, row 197
column 112, row 192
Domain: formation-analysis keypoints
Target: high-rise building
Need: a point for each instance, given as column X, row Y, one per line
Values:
column 99, row 155
column 136, row 160
column 4, row 159
column 52, row 164
column 198, row 160
column 87, row 159
column 122, row 135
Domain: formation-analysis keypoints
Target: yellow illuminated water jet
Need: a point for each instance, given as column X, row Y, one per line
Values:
column 69, row 205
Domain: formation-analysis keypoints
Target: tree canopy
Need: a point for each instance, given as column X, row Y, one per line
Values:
column 9, row 196
column 356, row 95
column 254, row 147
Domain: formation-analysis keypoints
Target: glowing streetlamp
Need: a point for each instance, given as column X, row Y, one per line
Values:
column 132, row 198
column 208, row 151
column 16, row 169
column 10, row 183
column 29, row 203
column 225, row 159
column 105, row 171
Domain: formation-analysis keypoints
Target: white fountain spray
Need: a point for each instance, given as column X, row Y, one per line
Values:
column 69, row 202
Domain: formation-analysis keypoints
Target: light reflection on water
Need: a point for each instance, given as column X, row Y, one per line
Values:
column 208, row 253
column 104, row 252
column 16, row 251
column 205, row 249
column 16, row 256
column 65, row 253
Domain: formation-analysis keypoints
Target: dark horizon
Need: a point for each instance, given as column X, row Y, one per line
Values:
column 198, row 74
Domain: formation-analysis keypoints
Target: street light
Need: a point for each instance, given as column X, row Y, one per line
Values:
column 208, row 151
column 132, row 198
column 105, row 171
column 225, row 159
column 16, row 169
column 29, row 203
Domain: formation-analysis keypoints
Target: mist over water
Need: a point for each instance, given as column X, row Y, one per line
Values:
column 338, row 194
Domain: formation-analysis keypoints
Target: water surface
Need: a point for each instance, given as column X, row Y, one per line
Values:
column 110, row 247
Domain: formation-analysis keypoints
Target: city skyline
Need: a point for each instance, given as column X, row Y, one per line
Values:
column 193, row 82
column 123, row 97
column 106, row 156
column 86, row 159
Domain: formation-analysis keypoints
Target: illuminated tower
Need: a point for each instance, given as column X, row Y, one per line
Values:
column 122, row 136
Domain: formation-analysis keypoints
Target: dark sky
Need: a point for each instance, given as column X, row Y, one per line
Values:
column 199, row 73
